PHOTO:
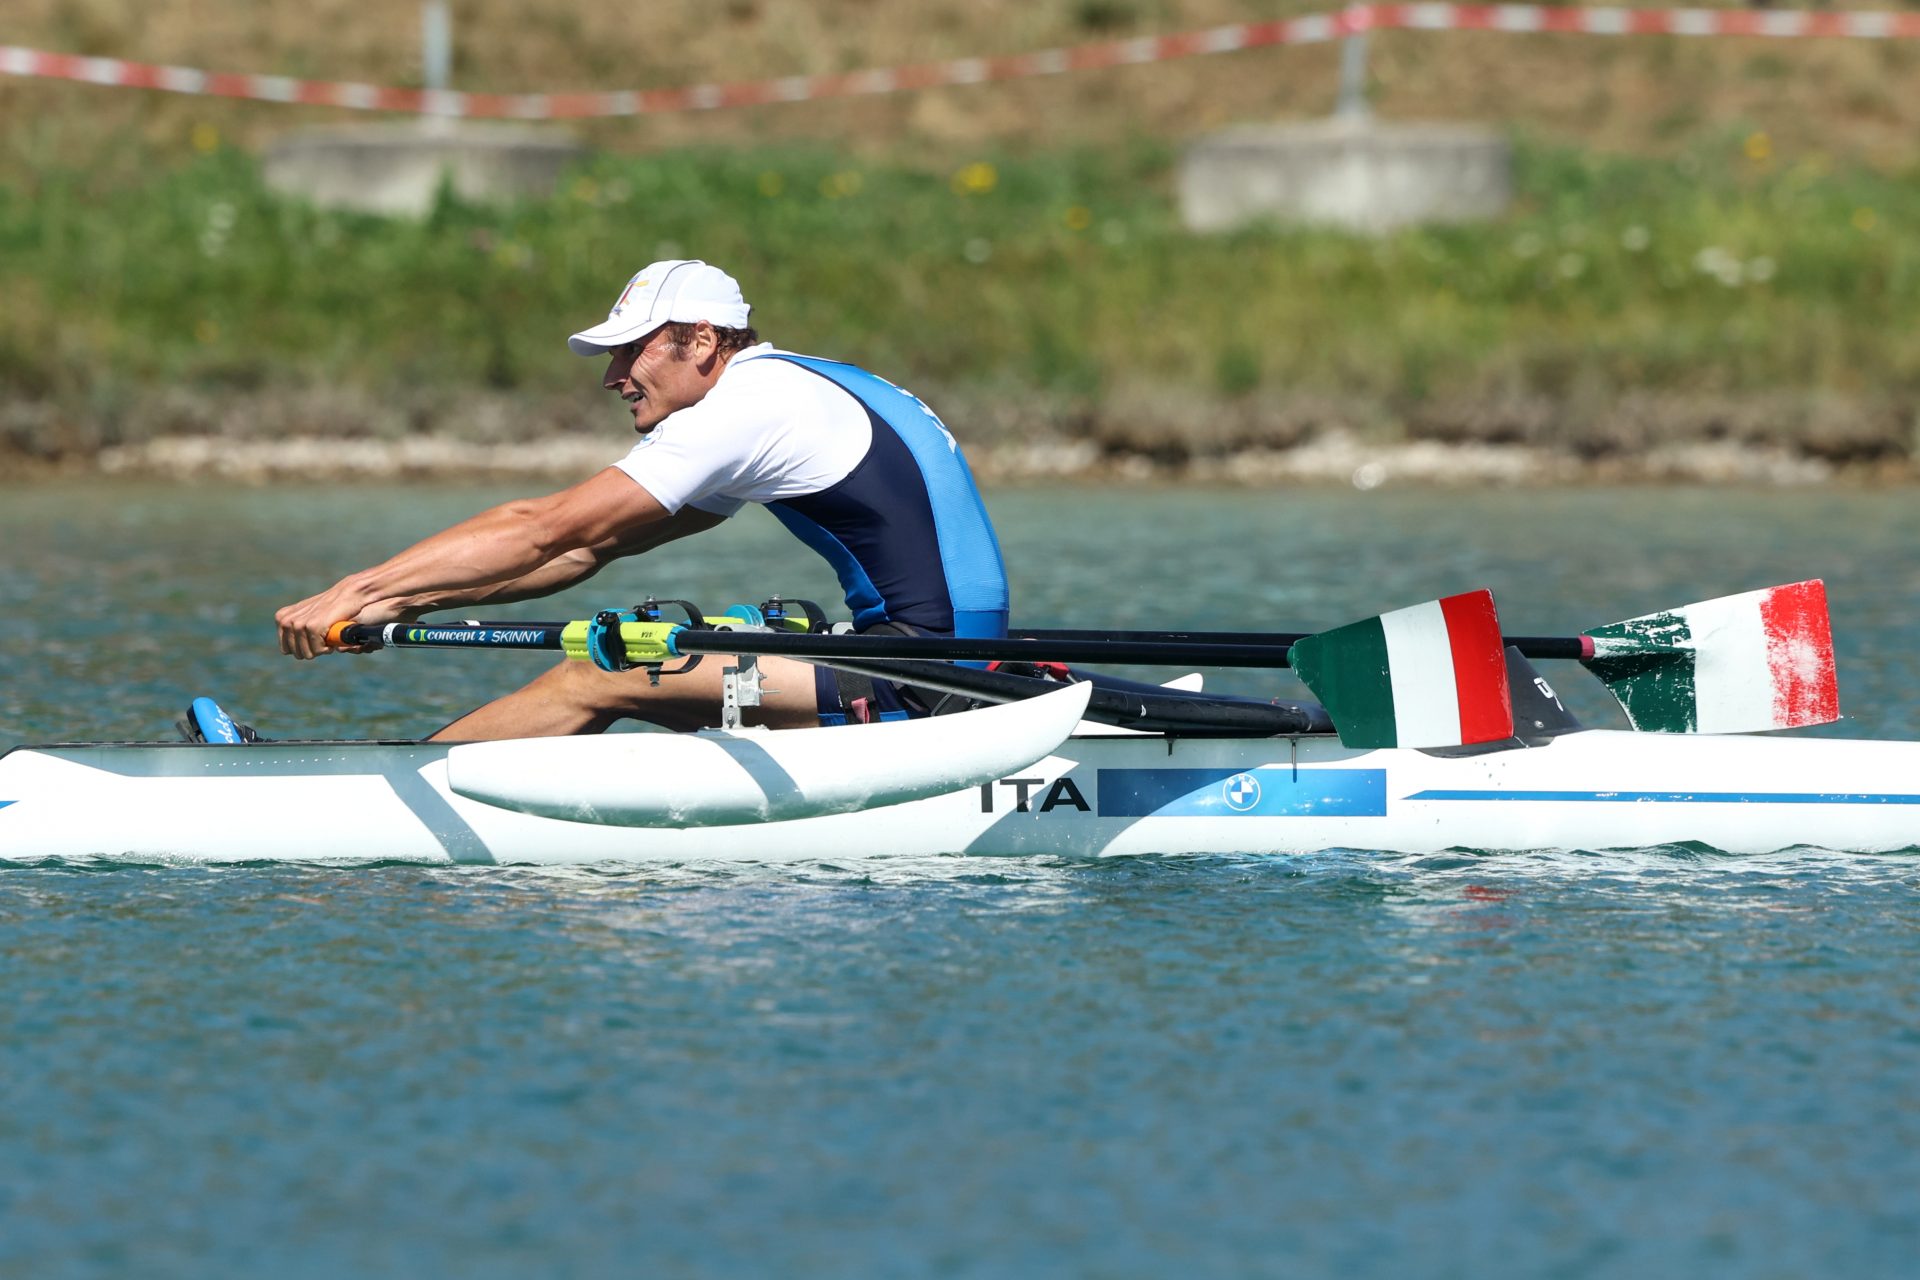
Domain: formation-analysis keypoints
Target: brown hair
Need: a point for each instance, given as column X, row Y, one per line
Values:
column 726, row 341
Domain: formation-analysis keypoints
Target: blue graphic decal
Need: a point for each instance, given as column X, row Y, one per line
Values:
column 1242, row 792
column 1678, row 797
column 1232, row 793
column 5, row 803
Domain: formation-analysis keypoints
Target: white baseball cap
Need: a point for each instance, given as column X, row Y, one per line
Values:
column 679, row 289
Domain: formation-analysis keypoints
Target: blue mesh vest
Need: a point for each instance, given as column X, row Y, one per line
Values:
column 905, row 531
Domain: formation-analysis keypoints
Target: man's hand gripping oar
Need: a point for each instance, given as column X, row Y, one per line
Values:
column 308, row 628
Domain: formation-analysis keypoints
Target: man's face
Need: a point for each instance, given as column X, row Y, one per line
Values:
column 655, row 380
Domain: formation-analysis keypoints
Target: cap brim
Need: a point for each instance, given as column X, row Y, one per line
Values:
column 603, row 338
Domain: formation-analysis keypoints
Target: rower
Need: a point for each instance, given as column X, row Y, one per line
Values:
column 857, row 468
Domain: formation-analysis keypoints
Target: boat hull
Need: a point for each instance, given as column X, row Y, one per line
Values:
column 1091, row 796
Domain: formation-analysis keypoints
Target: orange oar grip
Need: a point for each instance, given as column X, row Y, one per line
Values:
column 336, row 635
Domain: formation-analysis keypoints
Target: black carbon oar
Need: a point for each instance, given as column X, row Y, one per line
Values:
column 923, row 661
column 687, row 641
column 1123, row 703
column 1753, row 661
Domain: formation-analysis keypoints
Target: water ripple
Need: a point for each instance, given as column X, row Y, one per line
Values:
column 1598, row 1063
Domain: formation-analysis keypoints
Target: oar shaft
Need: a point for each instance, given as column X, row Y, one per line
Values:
column 1130, row 705
column 1202, row 643
column 1146, row 652
column 689, row 641
column 1145, row 648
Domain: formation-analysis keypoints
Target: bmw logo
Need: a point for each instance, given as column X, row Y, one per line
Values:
column 1242, row 792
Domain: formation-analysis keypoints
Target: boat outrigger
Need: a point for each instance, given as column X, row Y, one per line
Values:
column 1433, row 732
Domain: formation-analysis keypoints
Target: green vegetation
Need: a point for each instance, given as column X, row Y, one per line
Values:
column 1726, row 271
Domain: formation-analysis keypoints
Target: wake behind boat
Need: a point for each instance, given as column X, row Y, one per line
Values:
column 1446, row 739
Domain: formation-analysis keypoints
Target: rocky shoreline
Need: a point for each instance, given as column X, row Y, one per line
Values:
column 1011, row 437
column 1336, row 459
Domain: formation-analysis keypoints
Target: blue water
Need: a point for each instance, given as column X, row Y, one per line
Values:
column 1665, row 1063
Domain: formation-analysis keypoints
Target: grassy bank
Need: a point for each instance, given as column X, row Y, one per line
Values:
column 1733, row 289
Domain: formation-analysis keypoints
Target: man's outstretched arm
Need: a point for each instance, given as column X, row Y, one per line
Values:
column 498, row 546
column 565, row 570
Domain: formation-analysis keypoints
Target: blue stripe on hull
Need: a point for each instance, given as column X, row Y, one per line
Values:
column 1676, row 797
column 1231, row 793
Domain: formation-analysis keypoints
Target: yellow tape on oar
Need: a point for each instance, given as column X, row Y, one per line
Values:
column 642, row 642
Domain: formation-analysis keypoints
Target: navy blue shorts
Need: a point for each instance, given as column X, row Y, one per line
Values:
column 849, row 699
column 846, row 698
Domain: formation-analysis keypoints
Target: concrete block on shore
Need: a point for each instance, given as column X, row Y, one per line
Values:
column 398, row 169
column 1352, row 172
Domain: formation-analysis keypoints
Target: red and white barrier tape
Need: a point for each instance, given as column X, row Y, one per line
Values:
column 1865, row 25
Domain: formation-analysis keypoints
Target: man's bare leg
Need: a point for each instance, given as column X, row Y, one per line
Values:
column 578, row 697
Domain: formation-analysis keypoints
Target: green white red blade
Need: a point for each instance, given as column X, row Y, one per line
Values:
column 1434, row 675
column 1758, row 660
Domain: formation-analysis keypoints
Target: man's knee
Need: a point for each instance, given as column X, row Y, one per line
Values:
column 587, row 684
column 686, row 696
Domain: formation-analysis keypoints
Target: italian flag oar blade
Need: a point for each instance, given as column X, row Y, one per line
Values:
column 1434, row 675
column 1758, row 660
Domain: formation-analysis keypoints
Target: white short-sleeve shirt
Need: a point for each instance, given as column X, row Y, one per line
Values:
column 768, row 429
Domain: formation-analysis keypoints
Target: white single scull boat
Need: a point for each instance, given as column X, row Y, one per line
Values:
column 1035, row 776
